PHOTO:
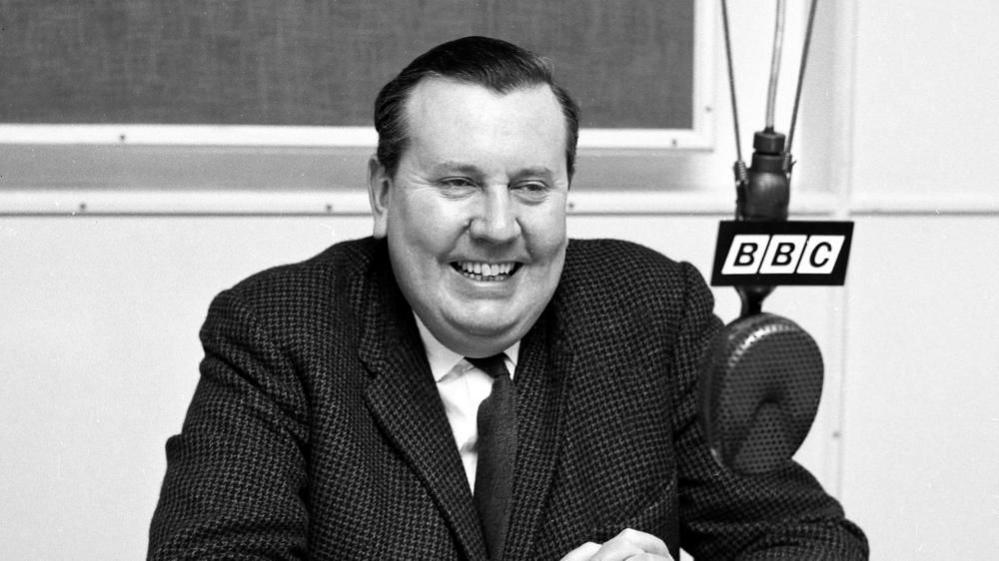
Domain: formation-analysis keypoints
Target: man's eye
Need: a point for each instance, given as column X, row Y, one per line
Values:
column 457, row 183
column 531, row 189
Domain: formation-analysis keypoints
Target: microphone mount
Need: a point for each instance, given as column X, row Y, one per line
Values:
column 763, row 190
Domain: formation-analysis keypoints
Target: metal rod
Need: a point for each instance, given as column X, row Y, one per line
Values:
column 775, row 63
column 731, row 80
column 801, row 75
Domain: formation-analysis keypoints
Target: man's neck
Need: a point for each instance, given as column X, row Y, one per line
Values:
column 441, row 358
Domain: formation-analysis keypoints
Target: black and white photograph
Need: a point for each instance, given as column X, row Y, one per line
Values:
column 483, row 280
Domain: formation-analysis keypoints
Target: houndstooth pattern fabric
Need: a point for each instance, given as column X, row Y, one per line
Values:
column 316, row 430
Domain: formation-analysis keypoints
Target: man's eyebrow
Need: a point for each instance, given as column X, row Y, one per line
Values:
column 542, row 171
column 452, row 166
column 455, row 166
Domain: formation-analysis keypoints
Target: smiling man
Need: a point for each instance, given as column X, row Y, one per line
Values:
column 468, row 383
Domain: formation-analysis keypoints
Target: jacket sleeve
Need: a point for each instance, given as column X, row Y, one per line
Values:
column 780, row 515
column 236, row 473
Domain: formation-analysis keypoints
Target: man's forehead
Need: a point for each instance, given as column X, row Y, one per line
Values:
column 470, row 124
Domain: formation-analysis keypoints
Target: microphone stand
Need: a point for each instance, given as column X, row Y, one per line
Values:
column 763, row 190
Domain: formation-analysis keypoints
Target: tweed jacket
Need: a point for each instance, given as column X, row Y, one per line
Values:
column 316, row 430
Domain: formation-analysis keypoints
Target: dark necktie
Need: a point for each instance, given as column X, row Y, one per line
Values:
column 497, row 447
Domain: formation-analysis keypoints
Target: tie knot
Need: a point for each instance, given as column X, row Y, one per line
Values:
column 494, row 365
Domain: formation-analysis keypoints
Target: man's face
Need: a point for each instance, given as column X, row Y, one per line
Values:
column 475, row 215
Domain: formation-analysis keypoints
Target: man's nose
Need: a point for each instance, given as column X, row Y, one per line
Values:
column 495, row 219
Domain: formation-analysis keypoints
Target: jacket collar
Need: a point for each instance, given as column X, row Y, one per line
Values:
column 542, row 381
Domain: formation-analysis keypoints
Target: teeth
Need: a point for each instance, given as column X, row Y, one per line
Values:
column 485, row 269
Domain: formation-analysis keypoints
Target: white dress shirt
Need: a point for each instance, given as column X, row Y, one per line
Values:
column 462, row 388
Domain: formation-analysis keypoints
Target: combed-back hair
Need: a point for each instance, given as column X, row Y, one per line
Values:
column 492, row 63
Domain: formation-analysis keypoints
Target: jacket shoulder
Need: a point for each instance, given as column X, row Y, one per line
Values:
column 317, row 289
column 337, row 263
column 618, row 262
column 619, row 278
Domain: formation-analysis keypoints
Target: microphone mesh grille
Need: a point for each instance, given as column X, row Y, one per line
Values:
column 761, row 390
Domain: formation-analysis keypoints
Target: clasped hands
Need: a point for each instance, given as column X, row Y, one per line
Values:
column 629, row 545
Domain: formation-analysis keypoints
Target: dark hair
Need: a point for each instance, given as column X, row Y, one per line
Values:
column 495, row 64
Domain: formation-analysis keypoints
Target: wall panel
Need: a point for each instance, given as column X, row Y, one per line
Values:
column 922, row 398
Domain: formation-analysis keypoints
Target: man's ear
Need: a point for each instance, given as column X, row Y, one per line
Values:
column 379, row 193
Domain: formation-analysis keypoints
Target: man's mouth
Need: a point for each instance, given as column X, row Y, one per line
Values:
column 483, row 271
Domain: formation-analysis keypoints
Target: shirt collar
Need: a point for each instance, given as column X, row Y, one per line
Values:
column 443, row 360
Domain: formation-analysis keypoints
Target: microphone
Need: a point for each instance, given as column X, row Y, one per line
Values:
column 762, row 374
column 761, row 378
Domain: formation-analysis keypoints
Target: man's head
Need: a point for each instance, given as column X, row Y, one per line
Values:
column 469, row 185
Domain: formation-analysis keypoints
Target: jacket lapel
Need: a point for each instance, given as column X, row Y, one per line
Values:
column 403, row 397
column 542, row 378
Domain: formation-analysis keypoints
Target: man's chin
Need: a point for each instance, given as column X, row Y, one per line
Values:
column 486, row 330
column 472, row 336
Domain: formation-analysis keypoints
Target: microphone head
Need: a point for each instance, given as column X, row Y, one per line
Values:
column 761, row 384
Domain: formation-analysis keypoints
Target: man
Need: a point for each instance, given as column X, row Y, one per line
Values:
column 336, row 413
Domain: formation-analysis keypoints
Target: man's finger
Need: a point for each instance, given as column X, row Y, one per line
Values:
column 649, row 557
column 646, row 543
column 629, row 545
column 582, row 553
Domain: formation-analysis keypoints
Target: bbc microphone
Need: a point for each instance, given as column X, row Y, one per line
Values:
column 762, row 374
column 761, row 380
